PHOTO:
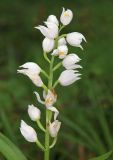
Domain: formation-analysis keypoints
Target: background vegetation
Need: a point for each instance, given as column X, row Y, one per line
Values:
column 86, row 108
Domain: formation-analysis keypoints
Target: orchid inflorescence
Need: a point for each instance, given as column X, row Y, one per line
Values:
column 57, row 45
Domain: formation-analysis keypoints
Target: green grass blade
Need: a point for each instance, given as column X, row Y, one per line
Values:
column 9, row 150
column 7, row 126
column 105, row 127
column 81, row 132
column 74, row 139
column 103, row 157
column 89, row 127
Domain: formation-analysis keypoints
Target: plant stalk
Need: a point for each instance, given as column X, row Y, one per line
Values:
column 46, row 154
column 47, row 150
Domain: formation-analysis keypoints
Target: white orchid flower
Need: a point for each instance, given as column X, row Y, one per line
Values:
column 34, row 113
column 68, row 77
column 28, row 132
column 54, row 128
column 75, row 39
column 50, row 99
column 51, row 31
column 31, row 70
column 61, row 41
column 53, row 19
column 33, row 67
column 48, row 44
column 66, row 16
column 69, row 62
column 62, row 51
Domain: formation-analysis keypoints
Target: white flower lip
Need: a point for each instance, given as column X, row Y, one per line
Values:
column 68, row 77
column 66, row 16
column 69, row 62
column 62, row 51
column 34, row 113
column 48, row 44
column 31, row 70
column 75, row 39
column 28, row 132
column 50, row 98
column 54, row 128
column 53, row 19
column 51, row 31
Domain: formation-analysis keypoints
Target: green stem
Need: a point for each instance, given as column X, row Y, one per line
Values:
column 44, row 87
column 61, row 28
column 51, row 73
column 46, row 57
column 46, row 155
column 40, row 126
column 53, row 143
column 55, row 84
column 44, row 73
column 40, row 145
column 57, row 66
column 64, row 35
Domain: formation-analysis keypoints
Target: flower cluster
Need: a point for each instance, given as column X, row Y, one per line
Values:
column 54, row 46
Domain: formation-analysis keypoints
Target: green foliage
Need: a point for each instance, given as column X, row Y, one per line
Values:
column 82, row 129
column 103, row 157
column 83, row 123
column 9, row 150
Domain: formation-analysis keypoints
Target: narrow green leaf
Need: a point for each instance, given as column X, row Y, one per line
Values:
column 79, row 130
column 74, row 139
column 9, row 150
column 103, row 157
column 105, row 127
column 94, row 134
column 7, row 126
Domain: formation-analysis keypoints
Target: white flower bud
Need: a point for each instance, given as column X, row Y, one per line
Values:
column 75, row 39
column 50, row 98
column 31, row 66
column 54, row 128
column 69, row 62
column 34, row 112
column 62, row 51
column 28, row 132
column 48, row 44
column 51, row 31
column 68, row 77
column 66, row 16
column 55, row 52
column 53, row 19
column 31, row 70
column 61, row 41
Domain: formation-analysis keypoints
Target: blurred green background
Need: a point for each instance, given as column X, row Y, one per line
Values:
column 86, row 107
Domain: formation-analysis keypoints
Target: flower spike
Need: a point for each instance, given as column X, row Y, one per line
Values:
column 55, row 46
